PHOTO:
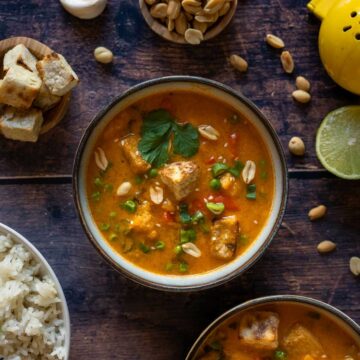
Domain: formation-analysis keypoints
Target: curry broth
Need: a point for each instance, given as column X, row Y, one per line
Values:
column 237, row 141
column 336, row 342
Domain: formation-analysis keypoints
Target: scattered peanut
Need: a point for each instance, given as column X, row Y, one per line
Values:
column 103, row 55
column 100, row 159
column 191, row 249
column 326, row 246
column 193, row 36
column 287, row 62
column 156, row 194
column 159, row 11
column 238, row 63
column 355, row 265
column 275, row 41
column 296, row 146
column 317, row 212
column 208, row 132
column 301, row 96
column 302, row 83
column 123, row 189
column 249, row 171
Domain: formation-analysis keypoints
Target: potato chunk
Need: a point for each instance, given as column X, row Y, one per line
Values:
column 23, row 125
column 224, row 236
column 180, row 177
column 20, row 55
column 129, row 146
column 19, row 87
column 259, row 330
column 300, row 342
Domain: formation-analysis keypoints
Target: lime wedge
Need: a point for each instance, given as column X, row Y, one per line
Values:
column 338, row 142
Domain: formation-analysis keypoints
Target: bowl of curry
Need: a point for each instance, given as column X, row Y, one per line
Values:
column 284, row 327
column 180, row 183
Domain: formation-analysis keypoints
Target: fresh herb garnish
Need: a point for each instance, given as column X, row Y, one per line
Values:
column 221, row 168
column 156, row 131
column 236, row 169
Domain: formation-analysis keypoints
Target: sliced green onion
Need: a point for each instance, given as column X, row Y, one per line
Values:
column 169, row 266
column 144, row 248
column 183, row 267
column 251, row 192
column 129, row 205
column 198, row 217
column 187, row 236
column 108, row 187
column 98, row 182
column 112, row 214
column 236, row 169
column 215, row 184
column 153, row 173
column 160, row 245
column 139, row 179
column 96, row 196
column 185, row 217
column 177, row 249
column 104, row 227
column 215, row 208
column 113, row 237
column 243, row 239
column 251, row 196
column 280, row 355
column 219, row 169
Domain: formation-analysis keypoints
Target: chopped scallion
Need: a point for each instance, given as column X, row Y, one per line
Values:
column 105, row 227
column 177, row 249
column 251, row 192
column 183, row 267
column 236, row 169
column 129, row 205
column 187, row 236
column 160, row 245
column 98, row 182
column 198, row 217
column 169, row 266
column 215, row 208
column 219, row 169
column 113, row 237
column 144, row 248
column 112, row 214
column 185, row 217
column 96, row 196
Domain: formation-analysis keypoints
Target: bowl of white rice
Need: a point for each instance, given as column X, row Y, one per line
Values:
column 34, row 317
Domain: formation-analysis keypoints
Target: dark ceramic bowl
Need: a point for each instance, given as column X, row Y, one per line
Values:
column 243, row 106
column 322, row 308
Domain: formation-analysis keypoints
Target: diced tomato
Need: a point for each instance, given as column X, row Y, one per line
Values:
column 168, row 216
column 197, row 204
column 233, row 143
column 211, row 160
column 227, row 201
column 168, row 105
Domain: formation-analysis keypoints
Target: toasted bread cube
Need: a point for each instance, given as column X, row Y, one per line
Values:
column 258, row 330
column 45, row 100
column 301, row 342
column 57, row 74
column 129, row 146
column 224, row 236
column 19, row 87
column 20, row 55
column 23, row 125
column 180, row 177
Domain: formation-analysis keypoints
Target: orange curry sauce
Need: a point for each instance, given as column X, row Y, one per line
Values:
column 237, row 141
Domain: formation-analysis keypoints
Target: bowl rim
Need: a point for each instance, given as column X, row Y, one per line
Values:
column 18, row 238
column 195, row 80
column 174, row 37
column 266, row 300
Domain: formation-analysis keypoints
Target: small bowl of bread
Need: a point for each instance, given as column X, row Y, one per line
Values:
column 35, row 88
column 188, row 21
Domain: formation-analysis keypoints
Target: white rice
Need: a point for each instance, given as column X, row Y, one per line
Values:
column 31, row 325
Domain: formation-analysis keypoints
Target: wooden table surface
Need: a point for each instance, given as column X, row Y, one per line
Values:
column 113, row 318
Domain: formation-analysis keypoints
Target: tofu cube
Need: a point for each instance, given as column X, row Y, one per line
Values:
column 258, row 330
column 224, row 236
column 20, row 55
column 301, row 342
column 180, row 177
column 143, row 221
column 57, row 74
column 19, row 87
column 129, row 146
column 45, row 100
column 23, row 125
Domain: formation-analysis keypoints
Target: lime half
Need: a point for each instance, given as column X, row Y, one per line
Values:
column 338, row 142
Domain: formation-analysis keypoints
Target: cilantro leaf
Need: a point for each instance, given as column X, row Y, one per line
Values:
column 235, row 171
column 186, row 140
column 156, row 131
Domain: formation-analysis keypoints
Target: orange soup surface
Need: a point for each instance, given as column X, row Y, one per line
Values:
column 280, row 332
column 180, row 183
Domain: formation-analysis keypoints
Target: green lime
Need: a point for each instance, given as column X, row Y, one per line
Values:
column 338, row 142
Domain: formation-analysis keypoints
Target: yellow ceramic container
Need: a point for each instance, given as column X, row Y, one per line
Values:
column 339, row 40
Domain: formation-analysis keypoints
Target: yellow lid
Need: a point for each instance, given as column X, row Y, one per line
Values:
column 320, row 8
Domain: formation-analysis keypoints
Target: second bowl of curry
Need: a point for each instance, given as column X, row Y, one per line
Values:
column 180, row 183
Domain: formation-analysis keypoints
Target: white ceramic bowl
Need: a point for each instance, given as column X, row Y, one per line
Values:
column 338, row 317
column 243, row 106
column 44, row 270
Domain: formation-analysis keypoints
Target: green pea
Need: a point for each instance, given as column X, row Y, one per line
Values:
column 183, row 267
column 104, row 227
column 177, row 249
column 215, row 208
column 280, row 355
column 153, row 173
column 219, row 169
column 130, row 206
column 215, row 184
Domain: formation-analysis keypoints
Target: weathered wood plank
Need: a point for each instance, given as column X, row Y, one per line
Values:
column 142, row 55
column 115, row 318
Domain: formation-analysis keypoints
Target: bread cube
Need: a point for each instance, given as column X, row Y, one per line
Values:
column 23, row 125
column 224, row 236
column 20, row 55
column 180, row 177
column 19, row 87
column 45, row 100
column 57, row 74
column 301, row 342
column 258, row 330
column 129, row 146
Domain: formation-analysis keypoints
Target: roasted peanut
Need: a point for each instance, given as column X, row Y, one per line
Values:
column 317, row 212
column 296, row 146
